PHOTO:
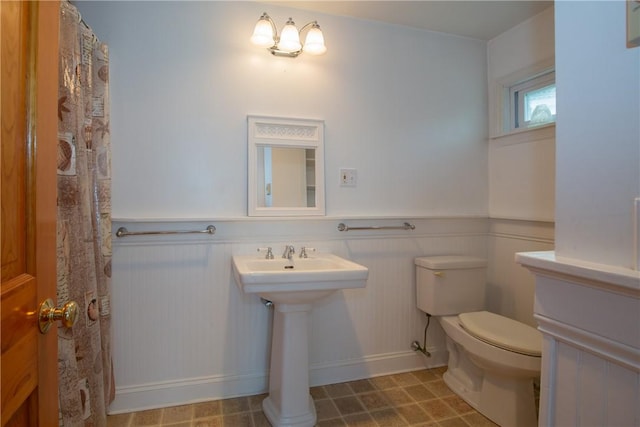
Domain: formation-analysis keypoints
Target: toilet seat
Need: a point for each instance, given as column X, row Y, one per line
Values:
column 502, row 332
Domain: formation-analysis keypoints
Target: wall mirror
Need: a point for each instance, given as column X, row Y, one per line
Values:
column 285, row 166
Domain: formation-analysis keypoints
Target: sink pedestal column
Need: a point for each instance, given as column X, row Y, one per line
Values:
column 289, row 403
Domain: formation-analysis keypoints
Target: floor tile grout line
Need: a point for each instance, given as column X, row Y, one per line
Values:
column 355, row 389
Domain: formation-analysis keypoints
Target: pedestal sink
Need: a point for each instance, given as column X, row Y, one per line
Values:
column 293, row 285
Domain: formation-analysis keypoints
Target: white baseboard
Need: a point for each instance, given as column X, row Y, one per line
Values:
column 193, row 390
column 181, row 392
column 375, row 366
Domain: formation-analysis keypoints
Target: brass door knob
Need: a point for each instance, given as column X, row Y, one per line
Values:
column 48, row 313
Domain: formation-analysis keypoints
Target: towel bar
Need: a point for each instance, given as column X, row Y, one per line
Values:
column 123, row 232
column 405, row 226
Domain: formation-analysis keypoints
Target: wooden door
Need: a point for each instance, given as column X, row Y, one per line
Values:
column 28, row 116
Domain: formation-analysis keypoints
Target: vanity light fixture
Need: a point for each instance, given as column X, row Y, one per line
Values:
column 265, row 34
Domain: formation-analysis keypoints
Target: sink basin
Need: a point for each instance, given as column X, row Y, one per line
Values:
column 299, row 280
column 292, row 285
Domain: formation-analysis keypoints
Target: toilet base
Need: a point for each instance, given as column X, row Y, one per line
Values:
column 506, row 402
column 472, row 397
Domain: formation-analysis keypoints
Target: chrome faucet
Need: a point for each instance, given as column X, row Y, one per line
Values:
column 289, row 250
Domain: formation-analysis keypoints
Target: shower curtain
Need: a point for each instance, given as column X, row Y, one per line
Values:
column 85, row 374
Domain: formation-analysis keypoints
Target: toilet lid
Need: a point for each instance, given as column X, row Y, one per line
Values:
column 502, row 332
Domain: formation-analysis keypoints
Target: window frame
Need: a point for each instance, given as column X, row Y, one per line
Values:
column 515, row 95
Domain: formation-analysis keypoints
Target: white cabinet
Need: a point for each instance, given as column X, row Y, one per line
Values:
column 589, row 315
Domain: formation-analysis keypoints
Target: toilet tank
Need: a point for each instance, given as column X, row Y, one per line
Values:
column 450, row 284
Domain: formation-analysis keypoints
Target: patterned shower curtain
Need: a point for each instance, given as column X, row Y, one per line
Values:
column 85, row 372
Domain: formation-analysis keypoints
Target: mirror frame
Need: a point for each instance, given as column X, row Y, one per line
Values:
column 289, row 133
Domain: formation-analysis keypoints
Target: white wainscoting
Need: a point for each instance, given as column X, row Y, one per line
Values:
column 589, row 315
column 183, row 332
column 511, row 287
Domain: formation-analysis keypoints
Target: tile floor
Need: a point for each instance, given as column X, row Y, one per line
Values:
column 418, row 398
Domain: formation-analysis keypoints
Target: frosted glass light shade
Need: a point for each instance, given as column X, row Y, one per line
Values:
column 263, row 33
column 289, row 39
column 314, row 42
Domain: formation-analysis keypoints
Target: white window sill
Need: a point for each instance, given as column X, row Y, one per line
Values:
column 530, row 134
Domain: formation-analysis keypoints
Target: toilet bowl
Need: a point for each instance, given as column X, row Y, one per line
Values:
column 493, row 360
column 496, row 381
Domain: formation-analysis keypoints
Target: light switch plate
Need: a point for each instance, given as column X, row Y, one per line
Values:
column 348, row 177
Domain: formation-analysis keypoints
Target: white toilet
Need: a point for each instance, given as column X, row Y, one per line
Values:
column 493, row 360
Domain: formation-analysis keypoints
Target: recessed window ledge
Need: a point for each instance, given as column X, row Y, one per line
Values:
column 611, row 278
column 531, row 134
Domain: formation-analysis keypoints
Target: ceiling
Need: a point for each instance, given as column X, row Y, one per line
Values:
column 475, row 18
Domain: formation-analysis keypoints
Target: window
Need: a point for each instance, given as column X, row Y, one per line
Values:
column 532, row 102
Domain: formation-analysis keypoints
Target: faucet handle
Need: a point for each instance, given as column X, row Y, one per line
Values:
column 303, row 251
column 269, row 254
